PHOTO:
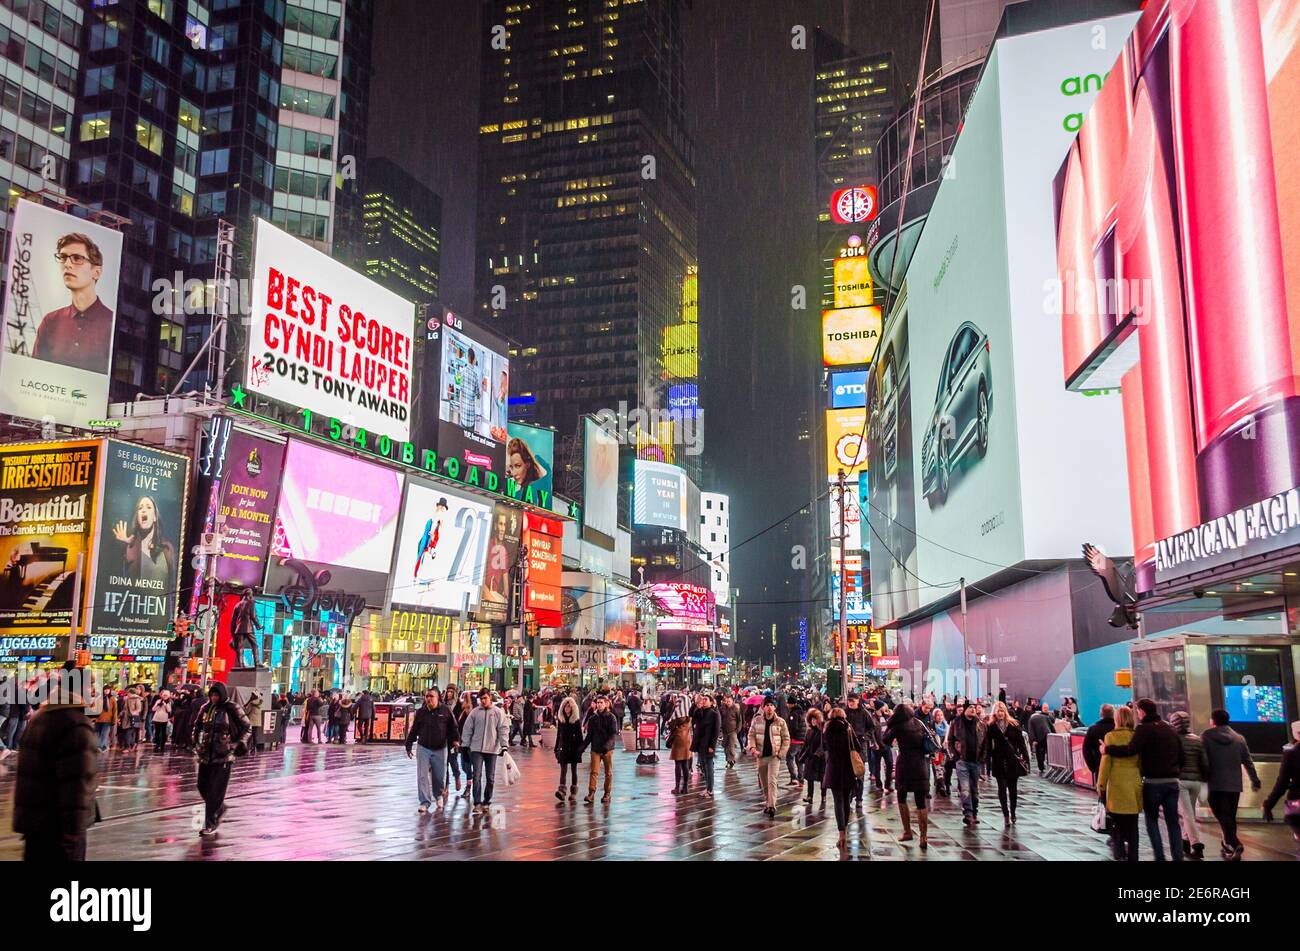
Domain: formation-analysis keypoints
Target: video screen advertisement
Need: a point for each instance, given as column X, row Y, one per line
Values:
column 141, row 538
column 250, row 493
column 583, row 607
column 1200, row 260
column 850, row 336
column 502, row 558
column 324, row 338
column 620, row 615
column 847, row 446
column 59, row 314
column 48, row 493
column 530, row 464
column 544, row 539
column 441, row 549
column 338, row 514
column 692, row 607
column 473, row 396
column 997, row 444
column 659, row 495
column 600, row 484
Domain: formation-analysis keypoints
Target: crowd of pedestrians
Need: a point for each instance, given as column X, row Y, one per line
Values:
column 1142, row 763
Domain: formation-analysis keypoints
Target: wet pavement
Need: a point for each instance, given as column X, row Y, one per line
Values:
column 359, row 802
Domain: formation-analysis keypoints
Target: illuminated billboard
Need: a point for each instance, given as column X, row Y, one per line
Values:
column 681, row 351
column 530, row 463
column 544, row 539
column 1202, row 230
column 59, row 313
column 473, row 396
column 854, row 204
column 441, row 549
column 600, row 484
column 846, row 443
column 502, row 557
column 659, row 495
column 690, row 607
column 975, row 447
column 848, row 389
column 335, row 513
column 850, row 336
column 853, row 284
column 250, row 492
column 142, row 524
column 852, row 515
column 323, row 337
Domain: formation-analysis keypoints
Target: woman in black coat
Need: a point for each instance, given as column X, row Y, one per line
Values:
column 1007, row 754
column 911, row 769
column 530, row 722
column 812, row 755
column 838, row 741
column 568, row 745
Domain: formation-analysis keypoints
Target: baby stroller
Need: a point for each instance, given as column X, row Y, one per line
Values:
column 938, row 763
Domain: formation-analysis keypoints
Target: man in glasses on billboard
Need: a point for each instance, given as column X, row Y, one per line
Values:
column 80, row 334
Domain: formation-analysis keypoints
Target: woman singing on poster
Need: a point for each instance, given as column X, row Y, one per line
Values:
column 148, row 555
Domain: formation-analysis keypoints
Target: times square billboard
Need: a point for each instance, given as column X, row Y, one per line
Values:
column 972, row 441
column 1178, row 253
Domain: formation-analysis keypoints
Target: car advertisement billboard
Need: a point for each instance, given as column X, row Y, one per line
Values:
column 59, row 315
column 142, row 525
column 441, row 549
column 994, row 447
column 853, row 284
column 1188, row 295
column 600, row 484
column 48, row 493
column 250, row 492
column 335, row 513
column 848, row 389
column 530, row 463
column 325, row 338
column 473, row 396
column 850, row 336
column 690, row 607
column 502, row 558
column 544, row 539
column 846, row 443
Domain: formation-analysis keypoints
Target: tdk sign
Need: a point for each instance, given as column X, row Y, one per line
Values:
column 848, row 389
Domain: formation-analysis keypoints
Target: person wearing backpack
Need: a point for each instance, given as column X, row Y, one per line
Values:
column 911, row 768
column 1195, row 771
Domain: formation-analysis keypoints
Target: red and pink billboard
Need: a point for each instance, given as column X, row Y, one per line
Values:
column 692, row 608
column 1179, row 226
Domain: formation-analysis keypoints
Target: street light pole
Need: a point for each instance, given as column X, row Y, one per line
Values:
column 844, row 599
column 965, row 657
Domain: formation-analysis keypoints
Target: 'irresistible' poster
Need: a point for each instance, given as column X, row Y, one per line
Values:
column 47, row 512
column 139, row 540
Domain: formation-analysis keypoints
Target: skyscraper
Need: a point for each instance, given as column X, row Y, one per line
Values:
column 42, row 44
column 586, row 249
column 195, row 111
column 401, row 221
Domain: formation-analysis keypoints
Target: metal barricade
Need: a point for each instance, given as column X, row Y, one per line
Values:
column 1060, row 760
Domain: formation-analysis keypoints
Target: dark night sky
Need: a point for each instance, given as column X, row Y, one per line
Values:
column 750, row 101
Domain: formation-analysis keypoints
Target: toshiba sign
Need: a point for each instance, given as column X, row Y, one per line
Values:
column 325, row 338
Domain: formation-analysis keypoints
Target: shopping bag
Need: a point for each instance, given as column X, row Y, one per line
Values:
column 1100, row 819
column 511, row 769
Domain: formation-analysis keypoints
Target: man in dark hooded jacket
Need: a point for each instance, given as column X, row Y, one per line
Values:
column 221, row 732
column 54, row 797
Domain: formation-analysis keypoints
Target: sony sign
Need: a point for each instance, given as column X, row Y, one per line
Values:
column 1254, row 529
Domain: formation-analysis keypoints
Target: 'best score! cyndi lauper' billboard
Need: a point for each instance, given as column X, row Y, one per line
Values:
column 325, row 338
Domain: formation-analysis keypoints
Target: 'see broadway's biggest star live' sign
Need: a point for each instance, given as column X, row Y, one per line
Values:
column 325, row 337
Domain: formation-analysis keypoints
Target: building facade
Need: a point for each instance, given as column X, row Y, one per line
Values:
column 586, row 248
column 402, row 224
column 192, row 112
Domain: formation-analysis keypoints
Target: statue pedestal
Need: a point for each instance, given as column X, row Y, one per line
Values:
column 242, row 681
